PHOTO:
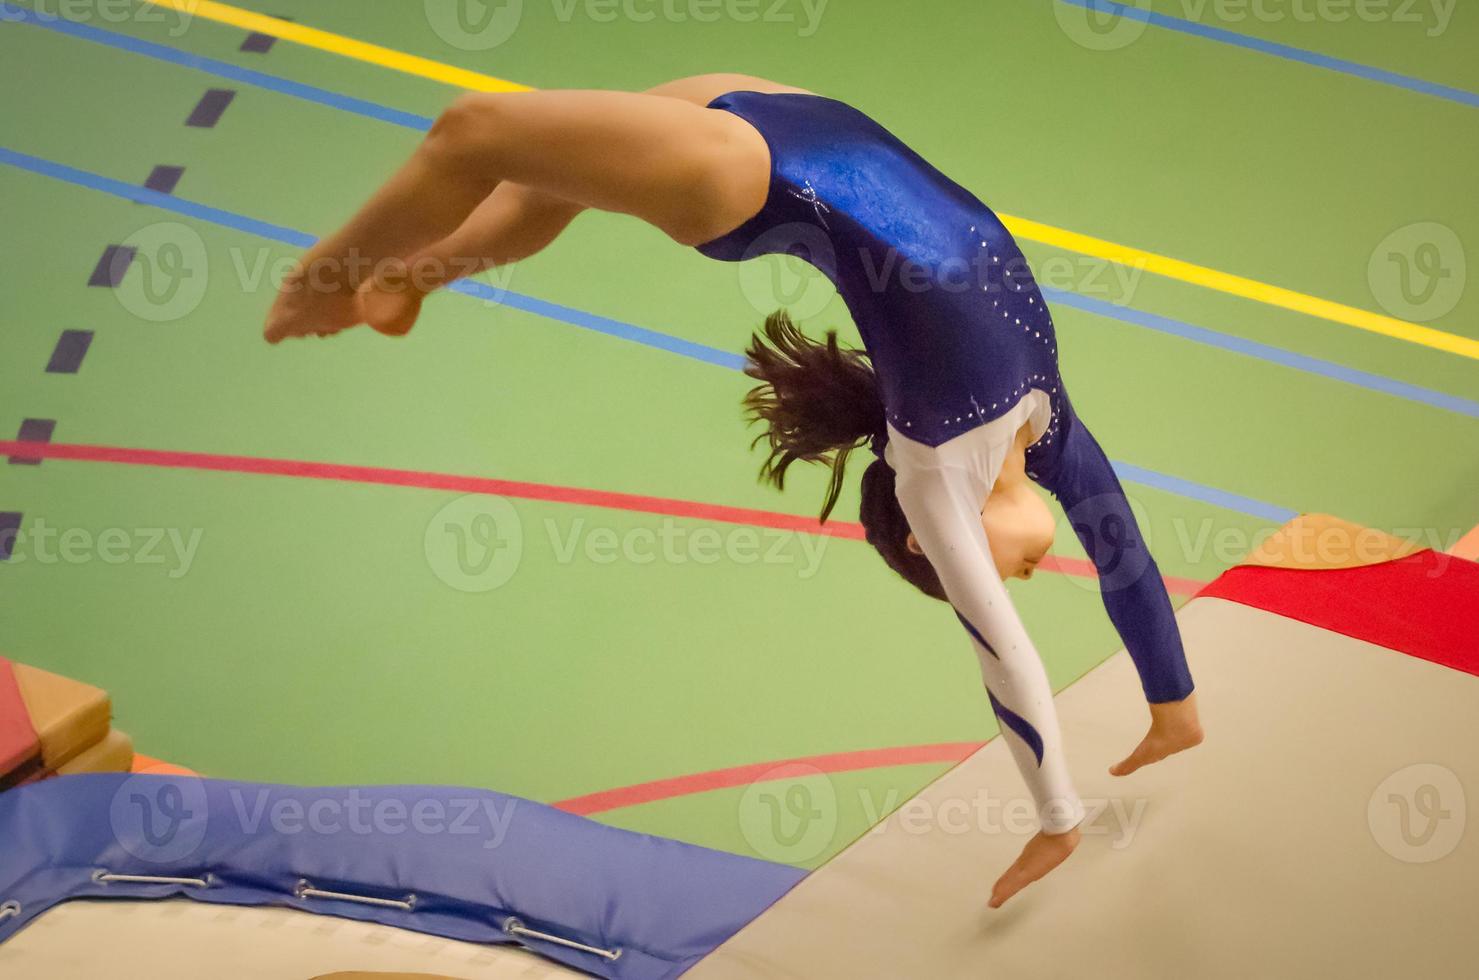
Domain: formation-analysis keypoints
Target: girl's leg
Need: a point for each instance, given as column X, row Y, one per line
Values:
column 512, row 224
column 703, row 89
column 693, row 173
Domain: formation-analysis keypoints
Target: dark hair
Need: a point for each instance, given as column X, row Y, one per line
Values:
column 820, row 402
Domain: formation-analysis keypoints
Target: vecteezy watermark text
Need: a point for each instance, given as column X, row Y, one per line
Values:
column 104, row 12
column 480, row 25
column 981, row 267
column 351, row 813
column 172, row 548
column 793, row 814
column 1107, row 25
column 164, row 272
column 165, row 820
column 477, row 542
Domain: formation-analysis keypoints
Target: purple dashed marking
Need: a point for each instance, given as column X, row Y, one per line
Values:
column 34, row 430
column 258, row 43
column 112, row 267
column 163, row 179
column 71, row 348
column 208, row 110
column 10, row 526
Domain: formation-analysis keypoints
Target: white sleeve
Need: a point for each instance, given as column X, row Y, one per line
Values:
column 941, row 495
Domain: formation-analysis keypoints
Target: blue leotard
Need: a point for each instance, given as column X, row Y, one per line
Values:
column 965, row 353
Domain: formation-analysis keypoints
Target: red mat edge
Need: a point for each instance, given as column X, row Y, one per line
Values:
column 1425, row 605
column 19, row 744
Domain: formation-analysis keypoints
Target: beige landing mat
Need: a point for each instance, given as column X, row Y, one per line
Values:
column 184, row 940
column 1319, row 832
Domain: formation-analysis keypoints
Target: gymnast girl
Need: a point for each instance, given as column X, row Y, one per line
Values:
column 957, row 392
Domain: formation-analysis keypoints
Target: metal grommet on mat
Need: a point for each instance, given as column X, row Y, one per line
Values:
column 516, row 928
column 102, row 876
column 9, row 910
column 304, row 889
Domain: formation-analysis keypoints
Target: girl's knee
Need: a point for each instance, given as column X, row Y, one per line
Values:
column 470, row 126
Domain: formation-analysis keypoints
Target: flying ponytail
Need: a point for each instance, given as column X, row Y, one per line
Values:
column 820, row 402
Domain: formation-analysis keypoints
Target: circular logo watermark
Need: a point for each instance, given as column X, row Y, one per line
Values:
column 161, row 820
column 474, row 544
column 167, row 274
column 1418, row 271
column 1417, row 814
column 776, row 283
column 474, row 25
column 789, row 815
column 1116, row 538
column 1100, row 25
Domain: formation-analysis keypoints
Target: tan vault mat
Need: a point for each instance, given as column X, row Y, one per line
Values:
column 68, row 715
column 179, row 939
column 1275, row 849
column 1319, row 541
column 115, row 753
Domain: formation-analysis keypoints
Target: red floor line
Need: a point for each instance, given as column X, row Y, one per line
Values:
column 214, row 462
column 703, row 782
column 946, row 753
column 384, row 476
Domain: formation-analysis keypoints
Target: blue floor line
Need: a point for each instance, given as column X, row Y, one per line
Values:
column 1285, row 51
column 564, row 314
column 1228, row 342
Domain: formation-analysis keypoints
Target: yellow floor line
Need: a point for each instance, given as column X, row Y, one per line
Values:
column 1226, row 282
column 312, row 37
column 1161, row 265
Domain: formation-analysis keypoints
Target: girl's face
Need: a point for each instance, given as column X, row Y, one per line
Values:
column 1019, row 528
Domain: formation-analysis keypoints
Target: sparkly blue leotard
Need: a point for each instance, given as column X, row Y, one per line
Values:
column 965, row 353
column 941, row 295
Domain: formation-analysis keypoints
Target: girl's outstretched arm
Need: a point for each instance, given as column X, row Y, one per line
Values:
column 1080, row 476
column 941, row 491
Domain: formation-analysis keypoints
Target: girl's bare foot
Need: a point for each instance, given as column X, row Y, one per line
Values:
column 1042, row 854
column 1174, row 727
column 306, row 308
column 390, row 302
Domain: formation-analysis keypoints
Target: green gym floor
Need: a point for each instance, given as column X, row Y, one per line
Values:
column 299, row 629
